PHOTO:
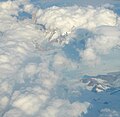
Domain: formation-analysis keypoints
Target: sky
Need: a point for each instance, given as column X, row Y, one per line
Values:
column 48, row 3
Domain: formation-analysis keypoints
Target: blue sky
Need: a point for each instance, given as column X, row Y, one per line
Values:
column 49, row 3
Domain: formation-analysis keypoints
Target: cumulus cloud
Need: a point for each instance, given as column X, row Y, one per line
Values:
column 61, row 23
column 33, row 62
column 109, row 113
column 61, row 60
column 64, row 20
column 58, row 108
column 106, row 38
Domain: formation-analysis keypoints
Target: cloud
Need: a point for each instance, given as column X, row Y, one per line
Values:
column 62, row 23
column 33, row 62
column 64, row 20
column 58, row 108
column 60, row 60
column 106, row 38
column 109, row 113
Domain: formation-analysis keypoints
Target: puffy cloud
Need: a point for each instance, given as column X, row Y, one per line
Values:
column 8, row 6
column 62, row 23
column 58, row 108
column 109, row 113
column 64, row 20
column 28, row 104
column 29, row 71
column 63, row 61
column 106, row 38
column 90, row 57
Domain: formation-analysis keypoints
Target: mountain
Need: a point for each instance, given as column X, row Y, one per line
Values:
column 101, row 92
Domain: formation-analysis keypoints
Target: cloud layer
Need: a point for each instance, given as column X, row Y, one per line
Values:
column 33, row 63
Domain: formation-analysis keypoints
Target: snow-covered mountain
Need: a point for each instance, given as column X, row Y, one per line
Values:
column 101, row 93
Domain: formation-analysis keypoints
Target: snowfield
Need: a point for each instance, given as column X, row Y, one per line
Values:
column 50, row 59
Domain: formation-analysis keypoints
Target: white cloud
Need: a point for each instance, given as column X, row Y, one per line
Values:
column 62, row 60
column 90, row 57
column 64, row 20
column 109, row 113
column 29, row 72
column 106, row 38
column 58, row 108
column 31, row 69
column 27, row 103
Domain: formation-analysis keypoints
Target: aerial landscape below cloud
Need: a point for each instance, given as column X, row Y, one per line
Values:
column 59, row 58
